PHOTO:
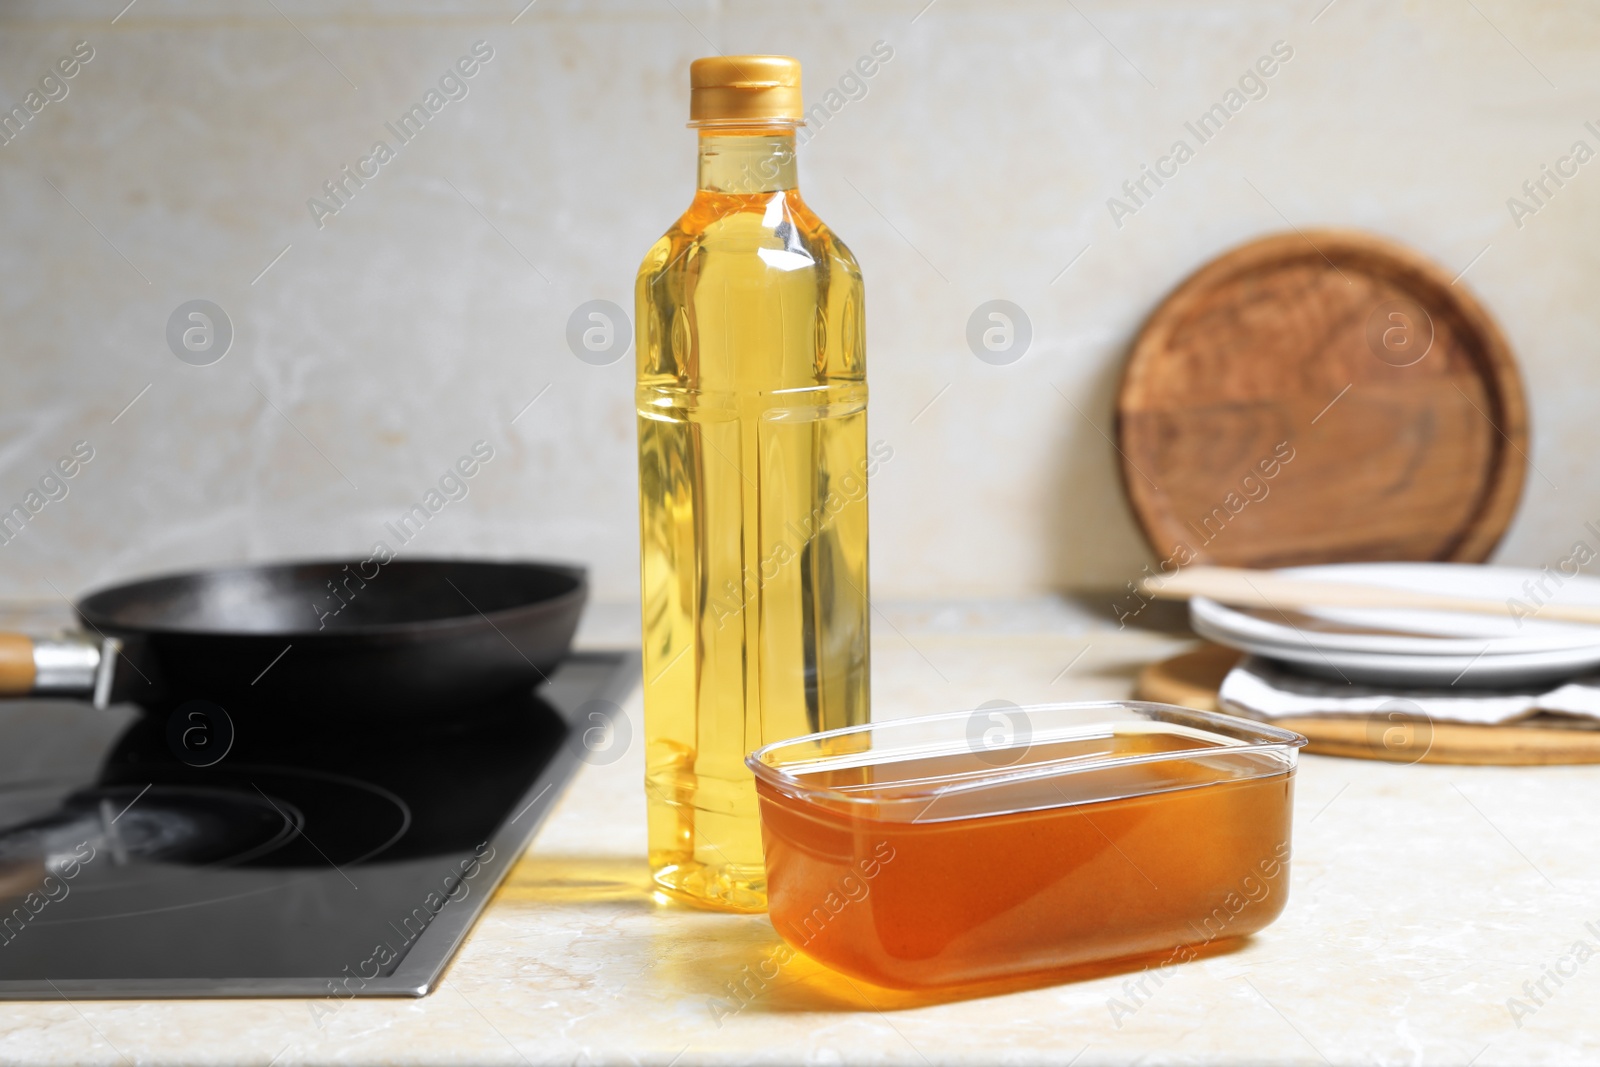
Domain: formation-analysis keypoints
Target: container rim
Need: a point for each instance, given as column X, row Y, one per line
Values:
column 1249, row 735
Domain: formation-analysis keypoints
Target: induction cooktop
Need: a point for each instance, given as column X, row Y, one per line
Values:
column 188, row 852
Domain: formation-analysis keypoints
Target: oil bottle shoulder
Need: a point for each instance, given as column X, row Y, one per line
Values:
column 820, row 235
column 778, row 226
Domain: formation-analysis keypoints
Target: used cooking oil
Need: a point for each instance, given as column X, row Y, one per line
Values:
column 925, row 870
column 753, row 468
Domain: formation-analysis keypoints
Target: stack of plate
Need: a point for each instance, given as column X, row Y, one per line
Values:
column 1402, row 647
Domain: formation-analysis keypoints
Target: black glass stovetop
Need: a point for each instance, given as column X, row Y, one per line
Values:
column 190, row 851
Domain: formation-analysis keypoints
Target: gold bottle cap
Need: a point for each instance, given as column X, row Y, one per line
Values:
column 741, row 90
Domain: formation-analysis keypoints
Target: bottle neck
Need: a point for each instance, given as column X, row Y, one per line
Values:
column 755, row 160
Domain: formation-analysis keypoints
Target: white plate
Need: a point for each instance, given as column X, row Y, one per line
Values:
column 1506, row 670
column 1396, row 646
column 1399, row 631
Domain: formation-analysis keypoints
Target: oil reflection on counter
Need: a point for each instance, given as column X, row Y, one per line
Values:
column 732, row 968
column 565, row 879
column 754, row 972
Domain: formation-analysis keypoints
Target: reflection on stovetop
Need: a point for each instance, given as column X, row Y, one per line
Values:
column 305, row 842
column 196, row 826
column 403, row 788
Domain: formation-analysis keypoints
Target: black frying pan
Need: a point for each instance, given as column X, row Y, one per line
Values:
column 405, row 637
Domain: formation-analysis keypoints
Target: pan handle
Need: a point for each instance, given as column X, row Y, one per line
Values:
column 71, row 664
column 17, row 670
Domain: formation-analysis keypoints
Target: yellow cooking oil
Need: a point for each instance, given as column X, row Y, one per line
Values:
column 753, row 468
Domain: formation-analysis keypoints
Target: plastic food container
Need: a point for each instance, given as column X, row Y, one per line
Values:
column 959, row 848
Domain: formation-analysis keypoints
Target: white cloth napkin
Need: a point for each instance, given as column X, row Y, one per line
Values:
column 1258, row 689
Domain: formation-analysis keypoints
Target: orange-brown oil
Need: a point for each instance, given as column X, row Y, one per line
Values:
column 911, row 897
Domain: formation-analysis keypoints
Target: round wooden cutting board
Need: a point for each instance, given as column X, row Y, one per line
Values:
column 1317, row 398
column 1192, row 679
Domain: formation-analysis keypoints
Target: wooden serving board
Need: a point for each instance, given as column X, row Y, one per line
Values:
column 1191, row 680
column 1321, row 397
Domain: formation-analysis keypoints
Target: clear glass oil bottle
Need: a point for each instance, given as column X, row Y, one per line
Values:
column 753, row 467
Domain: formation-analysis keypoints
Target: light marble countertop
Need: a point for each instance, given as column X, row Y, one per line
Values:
column 1422, row 899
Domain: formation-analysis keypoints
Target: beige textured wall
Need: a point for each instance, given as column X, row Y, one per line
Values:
column 425, row 314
